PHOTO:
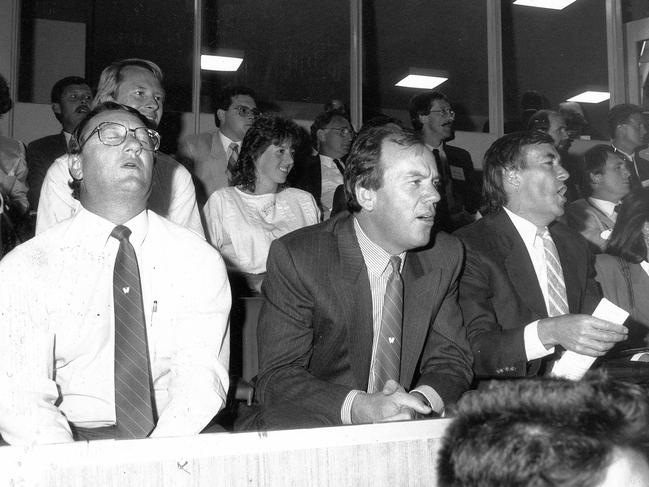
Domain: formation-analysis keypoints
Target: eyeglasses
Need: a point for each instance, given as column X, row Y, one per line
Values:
column 245, row 111
column 113, row 133
column 342, row 131
column 446, row 112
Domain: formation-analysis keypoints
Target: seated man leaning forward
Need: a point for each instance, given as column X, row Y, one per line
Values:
column 526, row 276
column 113, row 323
column 361, row 309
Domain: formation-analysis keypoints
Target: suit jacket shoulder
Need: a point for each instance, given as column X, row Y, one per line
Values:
column 590, row 222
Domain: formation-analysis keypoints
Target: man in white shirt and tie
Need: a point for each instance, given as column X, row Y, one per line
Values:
column 113, row 293
column 210, row 155
column 607, row 179
column 627, row 129
column 527, row 287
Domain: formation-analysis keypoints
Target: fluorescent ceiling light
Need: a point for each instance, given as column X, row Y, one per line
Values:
column 423, row 79
column 591, row 97
column 220, row 63
column 553, row 4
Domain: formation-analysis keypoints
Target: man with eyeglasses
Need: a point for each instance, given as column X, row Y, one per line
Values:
column 105, row 331
column 136, row 83
column 210, row 156
column 320, row 174
column 628, row 132
column 432, row 116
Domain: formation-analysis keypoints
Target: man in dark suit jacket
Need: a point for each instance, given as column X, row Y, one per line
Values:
column 320, row 326
column 508, row 294
column 627, row 129
column 431, row 115
column 71, row 97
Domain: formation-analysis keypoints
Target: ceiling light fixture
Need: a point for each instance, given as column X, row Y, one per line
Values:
column 222, row 61
column 551, row 4
column 425, row 79
column 591, row 97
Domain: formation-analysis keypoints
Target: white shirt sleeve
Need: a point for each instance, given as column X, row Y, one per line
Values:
column 534, row 349
column 56, row 202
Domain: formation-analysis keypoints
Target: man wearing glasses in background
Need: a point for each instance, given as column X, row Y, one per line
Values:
column 105, row 331
column 320, row 174
column 460, row 186
column 210, row 156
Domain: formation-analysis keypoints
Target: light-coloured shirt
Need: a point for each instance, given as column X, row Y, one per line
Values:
column 227, row 142
column 377, row 262
column 13, row 172
column 242, row 226
column 331, row 179
column 606, row 207
column 172, row 195
column 534, row 348
column 57, row 328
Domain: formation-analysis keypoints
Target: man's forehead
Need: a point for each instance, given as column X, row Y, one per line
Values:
column 539, row 150
column 245, row 100
column 407, row 158
column 557, row 120
column 440, row 103
column 117, row 116
column 76, row 89
column 338, row 122
column 137, row 75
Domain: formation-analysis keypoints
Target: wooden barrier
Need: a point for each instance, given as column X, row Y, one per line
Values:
column 390, row 454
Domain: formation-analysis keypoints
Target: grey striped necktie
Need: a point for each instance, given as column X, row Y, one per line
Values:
column 557, row 297
column 387, row 362
column 232, row 160
column 133, row 386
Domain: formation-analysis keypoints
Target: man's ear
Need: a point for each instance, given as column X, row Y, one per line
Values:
column 56, row 108
column 510, row 176
column 320, row 135
column 75, row 167
column 220, row 114
column 366, row 198
column 595, row 178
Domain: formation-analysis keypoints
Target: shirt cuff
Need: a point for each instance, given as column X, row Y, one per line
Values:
column 433, row 398
column 346, row 410
column 534, row 349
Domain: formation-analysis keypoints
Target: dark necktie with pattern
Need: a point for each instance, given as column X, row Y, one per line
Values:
column 133, row 386
column 232, row 160
column 340, row 166
column 387, row 362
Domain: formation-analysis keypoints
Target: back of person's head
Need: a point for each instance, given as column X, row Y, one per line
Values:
column 322, row 120
column 540, row 120
column 619, row 115
column 267, row 130
column 628, row 239
column 594, row 163
column 533, row 100
column 223, row 99
column 5, row 96
column 543, row 432
column 60, row 86
column 111, row 77
column 363, row 168
column 420, row 105
column 506, row 154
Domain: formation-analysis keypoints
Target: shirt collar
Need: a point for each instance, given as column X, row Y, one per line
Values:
column 97, row 226
column 376, row 259
column 629, row 156
column 605, row 206
column 226, row 141
column 525, row 228
column 327, row 161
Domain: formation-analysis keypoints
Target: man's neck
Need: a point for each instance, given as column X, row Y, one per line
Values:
column 115, row 213
column 327, row 153
column 604, row 196
column 229, row 133
column 432, row 139
column 624, row 146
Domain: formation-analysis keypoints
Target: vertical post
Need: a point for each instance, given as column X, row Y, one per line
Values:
column 615, row 52
column 196, row 72
column 356, row 62
column 495, row 66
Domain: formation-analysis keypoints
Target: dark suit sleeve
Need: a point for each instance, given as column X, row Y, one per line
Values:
column 285, row 335
column 447, row 359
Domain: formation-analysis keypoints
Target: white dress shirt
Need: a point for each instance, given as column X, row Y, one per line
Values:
column 226, row 142
column 57, row 328
column 172, row 195
column 606, row 207
column 534, row 349
column 242, row 226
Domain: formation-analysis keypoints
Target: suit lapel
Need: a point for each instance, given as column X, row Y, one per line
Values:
column 355, row 300
column 518, row 265
column 421, row 294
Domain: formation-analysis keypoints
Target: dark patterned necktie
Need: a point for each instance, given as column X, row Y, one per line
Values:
column 340, row 166
column 387, row 362
column 232, row 160
column 133, row 385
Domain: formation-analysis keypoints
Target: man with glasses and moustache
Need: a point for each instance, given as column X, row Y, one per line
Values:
column 432, row 116
column 66, row 345
column 136, row 83
column 321, row 173
column 210, row 156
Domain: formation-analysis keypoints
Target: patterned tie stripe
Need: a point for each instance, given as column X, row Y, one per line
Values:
column 133, row 390
column 557, row 302
column 388, row 352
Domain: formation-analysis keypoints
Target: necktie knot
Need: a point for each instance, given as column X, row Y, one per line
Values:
column 395, row 262
column 234, row 148
column 121, row 232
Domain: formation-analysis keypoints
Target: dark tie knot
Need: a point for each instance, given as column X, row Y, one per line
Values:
column 120, row 232
column 234, row 147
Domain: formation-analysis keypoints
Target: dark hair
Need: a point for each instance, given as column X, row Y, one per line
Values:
column 363, row 168
column 619, row 115
column 60, row 86
column 223, row 99
column 5, row 97
column 543, row 432
column 107, row 106
column 594, row 163
column 321, row 122
column 267, row 130
column 506, row 154
column 540, row 120
column 533, row 100
column 627, row 240
column 420, row 105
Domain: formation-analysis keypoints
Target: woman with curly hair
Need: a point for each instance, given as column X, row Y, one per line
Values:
column 243, row 220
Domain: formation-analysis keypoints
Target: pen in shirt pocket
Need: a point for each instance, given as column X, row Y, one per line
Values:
column 154, row 310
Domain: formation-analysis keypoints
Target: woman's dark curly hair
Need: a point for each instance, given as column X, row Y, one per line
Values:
column 5, row 97
column 267, row 130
